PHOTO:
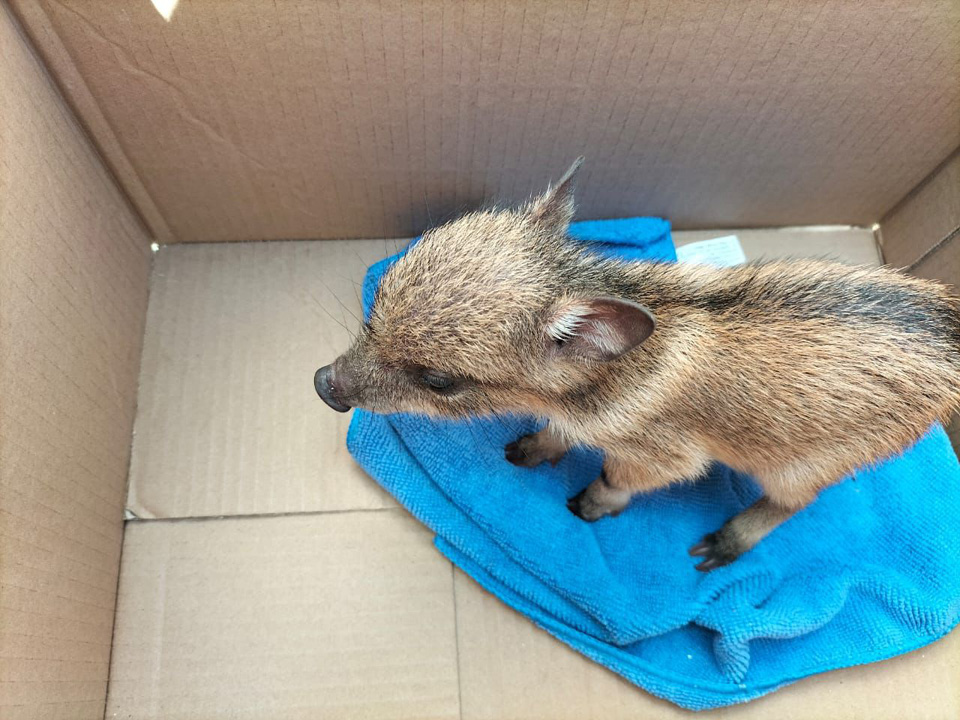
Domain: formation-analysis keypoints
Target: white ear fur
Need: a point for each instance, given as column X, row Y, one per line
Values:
column 600, row 328
column 564, row 325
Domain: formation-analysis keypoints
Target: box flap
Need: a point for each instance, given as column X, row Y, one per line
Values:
column 331, row 615
column 925, row 221
column 261, row 120
column 73, row 294
column 71, row 83
column 228, row 422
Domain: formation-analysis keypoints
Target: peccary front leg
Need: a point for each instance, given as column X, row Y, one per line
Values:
column 599, row 499
column 621, row 479
column 531, row 450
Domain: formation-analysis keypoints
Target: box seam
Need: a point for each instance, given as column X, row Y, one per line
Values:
column 456, row 637
column 262, row 516
column 937, row 246
column 927, row 179
column 126, row 494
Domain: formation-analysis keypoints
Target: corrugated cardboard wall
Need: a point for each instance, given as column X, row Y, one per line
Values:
column 73, row 291
column 259, row 120
column 922, row 234
column 65, row 74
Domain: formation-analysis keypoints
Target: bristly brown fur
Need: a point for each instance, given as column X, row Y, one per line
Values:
column 796, row 372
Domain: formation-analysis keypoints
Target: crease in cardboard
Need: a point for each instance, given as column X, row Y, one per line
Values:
column 129, row 65
column 89, row 115
column 737, row 116
column 135, row 508
column 939, row 245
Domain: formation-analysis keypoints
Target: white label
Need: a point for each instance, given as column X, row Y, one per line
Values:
column 722, row 252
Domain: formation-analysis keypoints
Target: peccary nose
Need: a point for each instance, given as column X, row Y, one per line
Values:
column 324, row 381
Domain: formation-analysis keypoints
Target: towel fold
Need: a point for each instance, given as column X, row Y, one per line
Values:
column 868, row 571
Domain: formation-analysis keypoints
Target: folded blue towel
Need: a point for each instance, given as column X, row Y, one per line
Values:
column 868, row 571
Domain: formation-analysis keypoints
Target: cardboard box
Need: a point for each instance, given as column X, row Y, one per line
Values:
column 262, row 574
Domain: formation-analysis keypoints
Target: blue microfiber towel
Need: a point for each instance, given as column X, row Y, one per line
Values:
column 868, row 571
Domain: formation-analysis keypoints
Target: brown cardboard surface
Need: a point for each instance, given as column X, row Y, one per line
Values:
column 73, row 293
column 856, row 246
column 943, row 263
column 333, row 616
column 74, row 88
column 259, row 120
column 926, row 220
column 228, row 422
column 511, row 669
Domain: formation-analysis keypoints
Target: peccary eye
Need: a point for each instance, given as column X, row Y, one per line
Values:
column 436, row 380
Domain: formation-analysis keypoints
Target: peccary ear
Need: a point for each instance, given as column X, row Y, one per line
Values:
column 600, row 329
column 555, row 208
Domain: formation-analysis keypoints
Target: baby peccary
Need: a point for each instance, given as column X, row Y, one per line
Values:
column 795, row 373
